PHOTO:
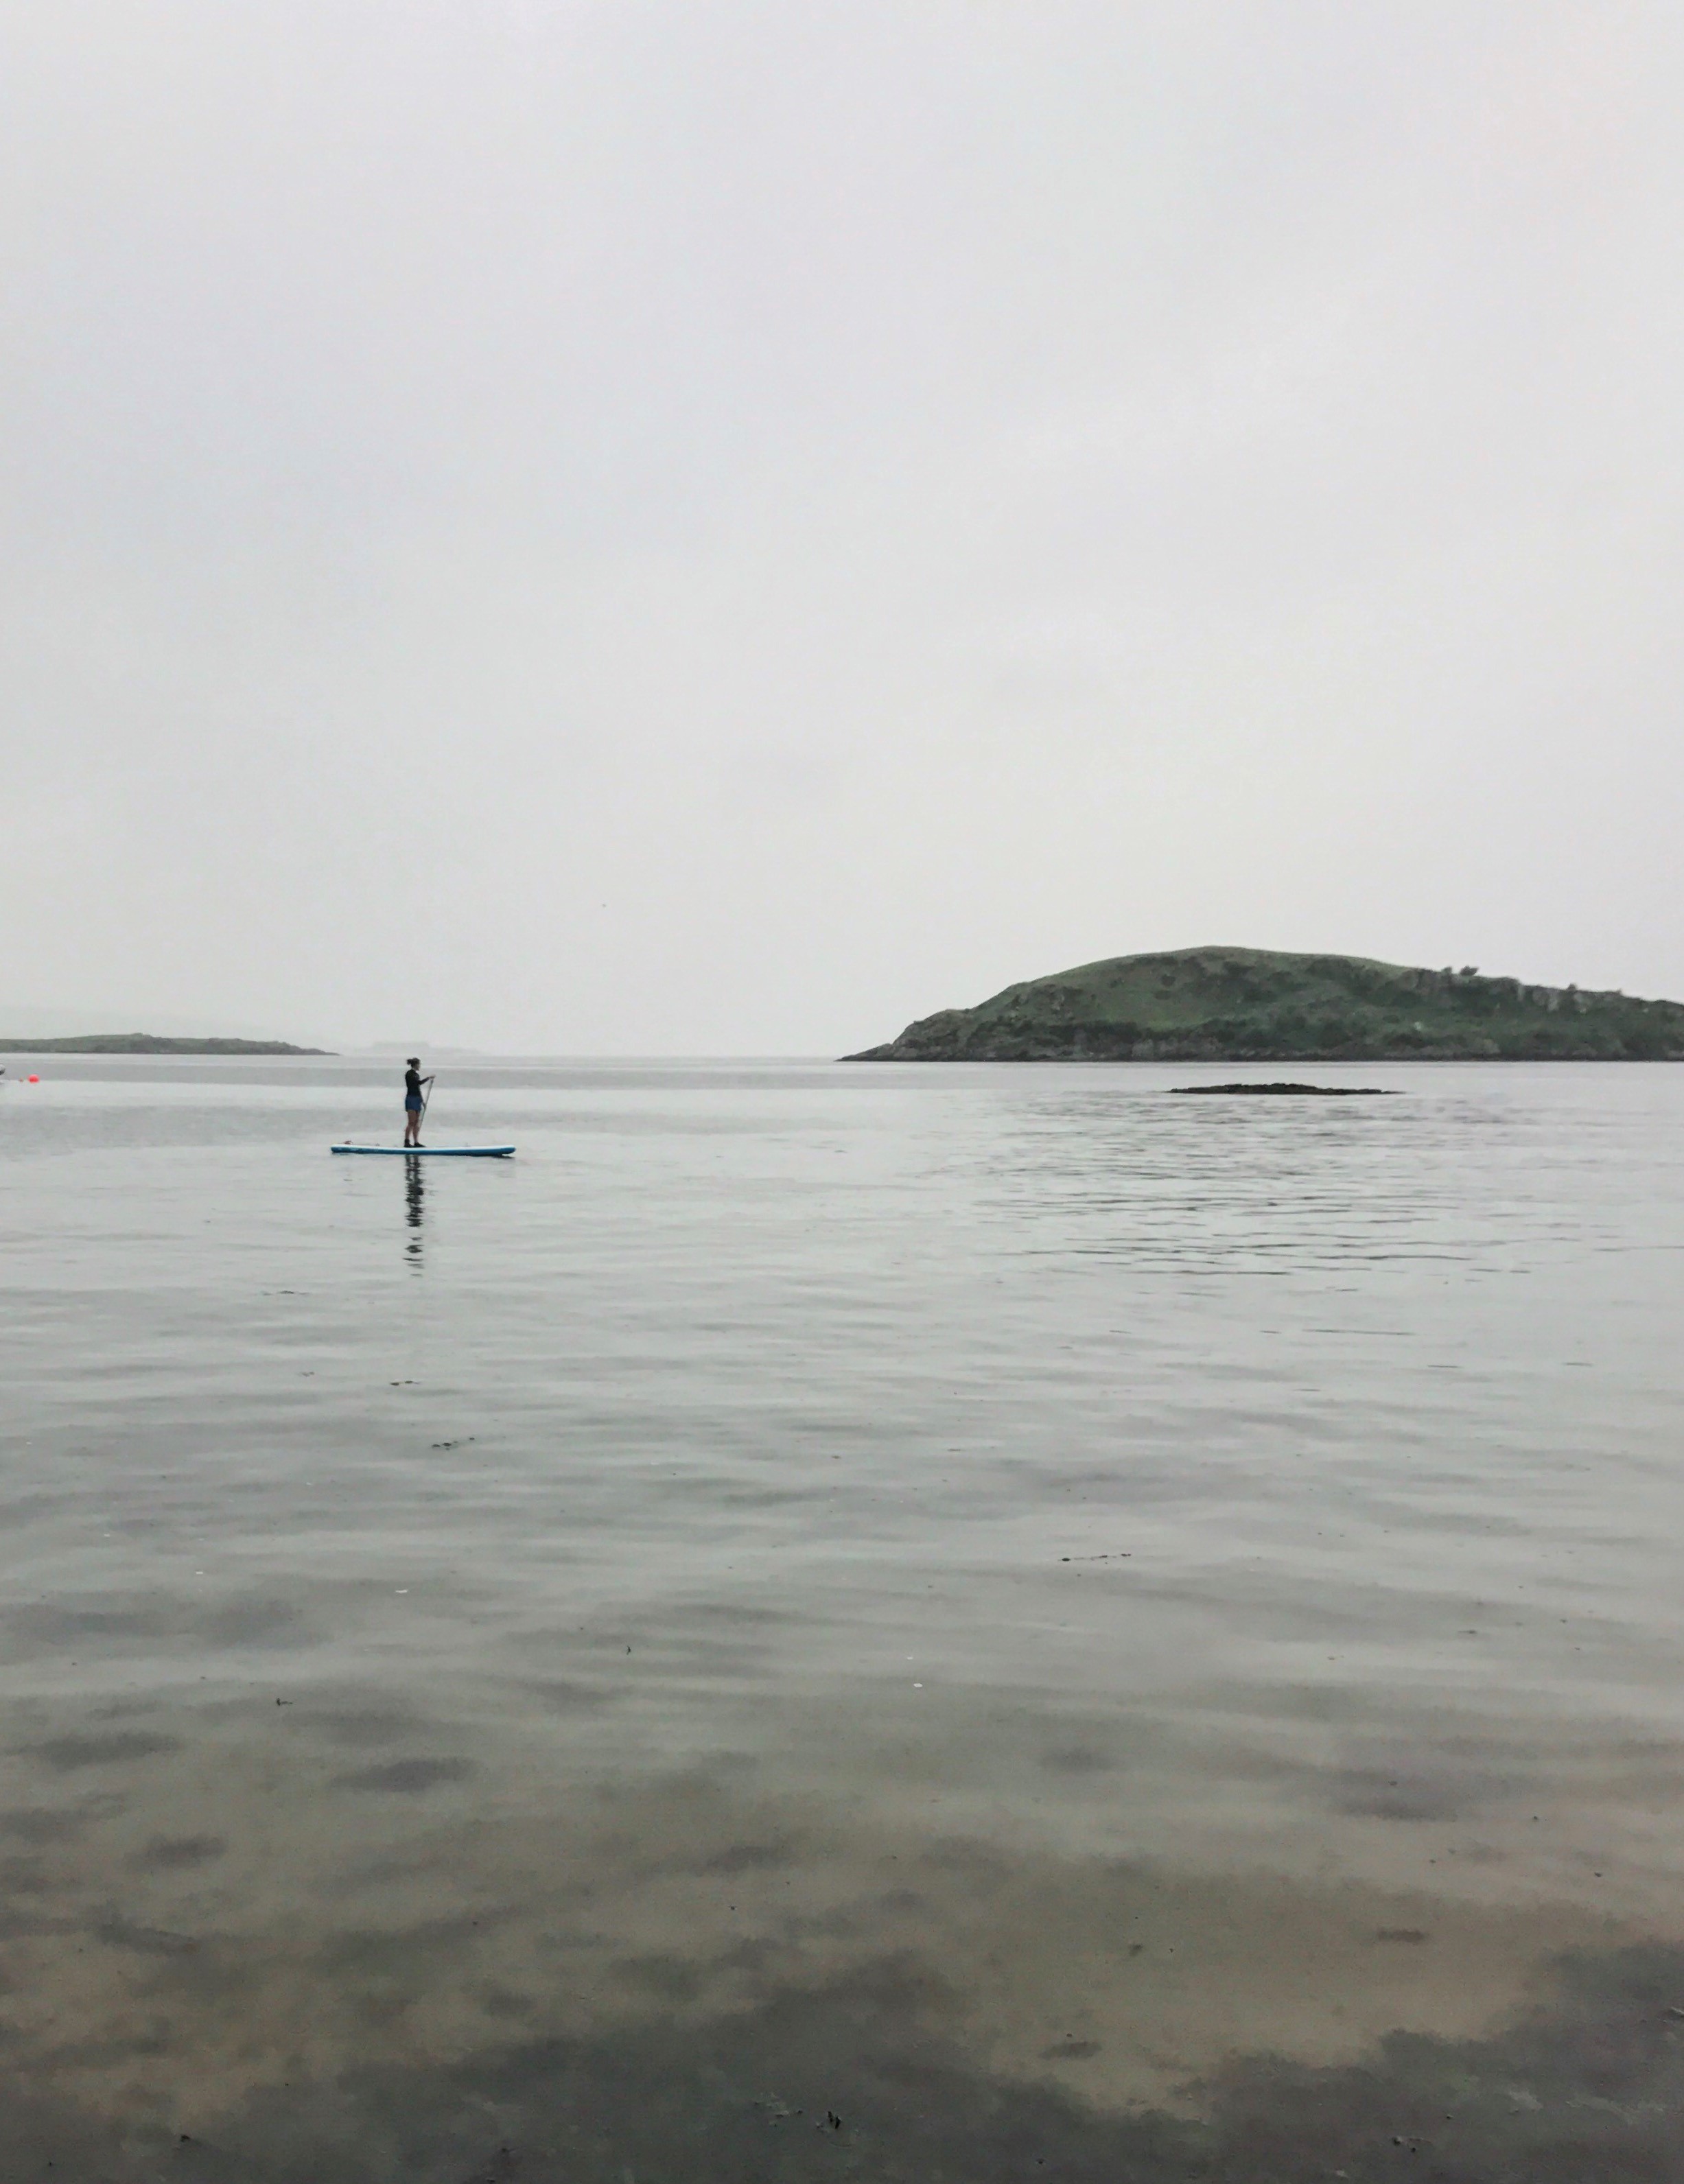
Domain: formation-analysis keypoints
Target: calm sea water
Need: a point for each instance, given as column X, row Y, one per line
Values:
column 959, row 1621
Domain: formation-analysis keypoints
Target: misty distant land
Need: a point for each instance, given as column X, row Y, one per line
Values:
column 143, row 1042
column 1264, row 1004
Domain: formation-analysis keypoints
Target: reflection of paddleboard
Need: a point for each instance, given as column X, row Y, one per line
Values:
column 430, row 1152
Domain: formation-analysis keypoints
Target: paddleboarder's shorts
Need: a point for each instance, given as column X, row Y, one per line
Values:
column 412, row 1105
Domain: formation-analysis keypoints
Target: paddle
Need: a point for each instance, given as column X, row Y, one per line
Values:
column 425, row 1095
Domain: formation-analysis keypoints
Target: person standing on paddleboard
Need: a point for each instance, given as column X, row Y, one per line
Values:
column 414, row 1100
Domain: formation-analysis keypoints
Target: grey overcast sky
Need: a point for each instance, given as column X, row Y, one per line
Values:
column 718, row 528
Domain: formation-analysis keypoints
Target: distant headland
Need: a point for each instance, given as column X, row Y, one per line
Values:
column 1261, row 1005
column 143, row 1042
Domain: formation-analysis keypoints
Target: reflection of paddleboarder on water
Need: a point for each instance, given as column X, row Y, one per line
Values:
column 415, row 1102
column 415, row 1194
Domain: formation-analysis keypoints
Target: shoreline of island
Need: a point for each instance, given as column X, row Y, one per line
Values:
column 141, row 1042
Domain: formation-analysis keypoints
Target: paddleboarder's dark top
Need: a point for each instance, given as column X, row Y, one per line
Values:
column 412, row 1085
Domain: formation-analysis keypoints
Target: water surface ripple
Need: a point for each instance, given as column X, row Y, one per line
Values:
column 860, row 1620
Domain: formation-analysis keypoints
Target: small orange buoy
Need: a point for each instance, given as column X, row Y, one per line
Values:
column 35, row 1080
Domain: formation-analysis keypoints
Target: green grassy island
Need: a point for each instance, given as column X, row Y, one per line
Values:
column 143, row 1042
column 1260, row 1005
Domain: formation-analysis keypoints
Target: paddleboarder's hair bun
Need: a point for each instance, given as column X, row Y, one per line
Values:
column 414, row 1061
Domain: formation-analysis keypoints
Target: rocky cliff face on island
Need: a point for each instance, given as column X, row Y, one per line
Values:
column 1257, row 1004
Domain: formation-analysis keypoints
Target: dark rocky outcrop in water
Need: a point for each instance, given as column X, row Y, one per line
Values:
column 142, row 1041
column 1260, row 1005
column 1286, row 1091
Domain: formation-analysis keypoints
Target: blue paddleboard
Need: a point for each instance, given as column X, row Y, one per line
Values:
column 430, row 1152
